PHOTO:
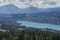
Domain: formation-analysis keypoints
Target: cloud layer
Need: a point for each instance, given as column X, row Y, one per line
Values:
column 28, row 3
column 4, row 2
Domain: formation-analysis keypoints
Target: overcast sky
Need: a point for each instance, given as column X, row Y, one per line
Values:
column 28, row 3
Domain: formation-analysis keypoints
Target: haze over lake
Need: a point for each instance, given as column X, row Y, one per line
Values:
column 40, row 25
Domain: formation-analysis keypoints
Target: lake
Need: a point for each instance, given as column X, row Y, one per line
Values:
column 39, row 25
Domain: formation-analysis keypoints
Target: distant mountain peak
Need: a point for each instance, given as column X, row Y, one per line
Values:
column 9, row 9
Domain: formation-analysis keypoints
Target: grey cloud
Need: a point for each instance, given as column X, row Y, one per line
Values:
column 50, row 3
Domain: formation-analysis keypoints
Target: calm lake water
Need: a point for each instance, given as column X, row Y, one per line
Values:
column 39, row 25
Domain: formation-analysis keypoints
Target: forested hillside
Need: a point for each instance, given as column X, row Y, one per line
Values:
column 29, row 35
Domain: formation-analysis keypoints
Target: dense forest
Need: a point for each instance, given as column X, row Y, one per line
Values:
column 29, row 35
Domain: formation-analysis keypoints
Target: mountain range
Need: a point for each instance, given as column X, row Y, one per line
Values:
column 12, row 9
